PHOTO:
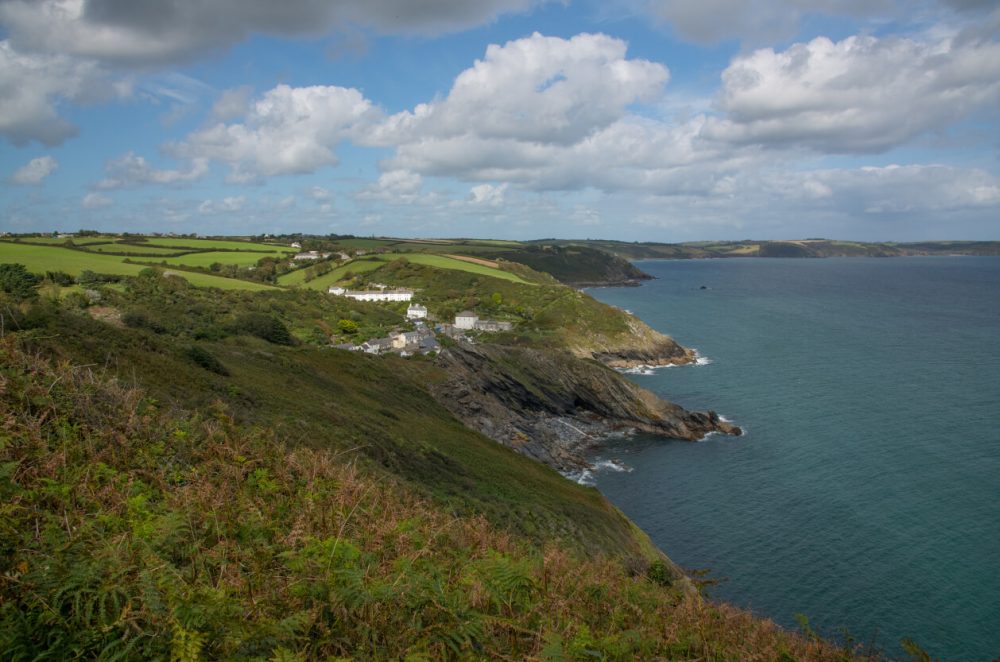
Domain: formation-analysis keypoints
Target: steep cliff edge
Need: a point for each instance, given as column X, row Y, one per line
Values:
column 554, row 407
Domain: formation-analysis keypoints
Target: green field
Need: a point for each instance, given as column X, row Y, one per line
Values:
column 240, row 258
column 442, row 262
column 57, row 241
column 298, row 278
column 40, row 259
column 135, row 249
column 217, row 244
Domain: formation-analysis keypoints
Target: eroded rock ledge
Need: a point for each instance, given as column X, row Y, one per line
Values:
column 555, row 407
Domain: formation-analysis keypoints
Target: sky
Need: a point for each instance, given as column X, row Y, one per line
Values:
column 638, row 120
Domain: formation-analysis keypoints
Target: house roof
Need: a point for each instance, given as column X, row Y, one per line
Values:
column 466, row 313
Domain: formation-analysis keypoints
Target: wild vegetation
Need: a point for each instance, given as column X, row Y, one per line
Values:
column 193, row 473
column 136, row 530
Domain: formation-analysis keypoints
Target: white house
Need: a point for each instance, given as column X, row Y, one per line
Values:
column 310, row 255
column 373, row 295
column 416, row 312
column 466, row 320
column 296, row 244
column 492, row 326
column 404, row 340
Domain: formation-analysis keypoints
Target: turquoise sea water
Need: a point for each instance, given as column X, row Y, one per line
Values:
column 866, row 493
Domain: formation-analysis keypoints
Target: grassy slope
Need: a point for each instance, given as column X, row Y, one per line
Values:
column 375, row 408
column 217, row 244
column 442, row 262
column 132, row 531
column 40, row 259
column 322, row 283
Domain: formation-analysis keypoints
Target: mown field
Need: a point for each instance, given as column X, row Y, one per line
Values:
column 442, row 262
column 297, row 278
column 239, row 258
column 134, row 249
column 41, row 258
column 217, row 244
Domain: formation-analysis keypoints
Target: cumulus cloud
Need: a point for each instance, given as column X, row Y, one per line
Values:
column 96, row 201
column 862, row 94
column 395, row 186
column 290, row 130
column 232, row 103
column 31, row 87
column 143, row 32
column 545, row 113
column 35, row 171
column 227, row 205
column 132, row 170
column 487, row 194
column 540, row 89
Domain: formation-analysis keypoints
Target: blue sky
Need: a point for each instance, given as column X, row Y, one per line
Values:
column 663, row 120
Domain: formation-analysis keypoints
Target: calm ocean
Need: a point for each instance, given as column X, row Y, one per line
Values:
column 866, row 493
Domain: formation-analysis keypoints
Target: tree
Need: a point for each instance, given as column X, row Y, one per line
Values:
column 18, row 282
column 347, row 326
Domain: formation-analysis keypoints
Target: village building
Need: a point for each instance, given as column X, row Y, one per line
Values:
column 374, row 295
column 376, row 346
column 296, row 244
column 310, row 255
column 416, row 312
column 493, row 326
column 402, row 340
column 466, row 320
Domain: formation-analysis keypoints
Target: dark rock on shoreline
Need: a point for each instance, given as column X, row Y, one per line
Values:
column 554, row 407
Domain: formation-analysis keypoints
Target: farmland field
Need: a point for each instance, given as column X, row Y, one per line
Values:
column 322, row 283
column 57, row 241
column 217, row 244
column 40, row 259
column 442, row 262
column 135, row 249
column 241, row 258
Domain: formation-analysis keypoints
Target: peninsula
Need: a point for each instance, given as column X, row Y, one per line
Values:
column 185, row 417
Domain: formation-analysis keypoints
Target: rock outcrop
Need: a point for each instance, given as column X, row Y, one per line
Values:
column 638, row 345
column 554, row 407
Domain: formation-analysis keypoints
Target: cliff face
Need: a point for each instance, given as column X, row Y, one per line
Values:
column 640, row 345
column 554, row 407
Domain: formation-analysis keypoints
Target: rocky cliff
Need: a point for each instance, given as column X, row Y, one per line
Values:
column 554, row 407
column 640, row 345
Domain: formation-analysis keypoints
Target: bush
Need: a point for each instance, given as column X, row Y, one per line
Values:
column 18, row 282
column 264, row 326
column 202, row 357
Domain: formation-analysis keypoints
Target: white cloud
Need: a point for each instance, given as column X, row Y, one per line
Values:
column 537, row 89
column 320, row 194
column 232, row 103
column 35, row 170
column 96, row 201
column 31, row 87
column 144, row 32
column 131, row 170
column 225, row 206
column 487, row 194
column 290, row 130
column 862, row 94
column 395, row 186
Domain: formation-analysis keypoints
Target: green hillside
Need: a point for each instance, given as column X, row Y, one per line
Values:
column 135, row 530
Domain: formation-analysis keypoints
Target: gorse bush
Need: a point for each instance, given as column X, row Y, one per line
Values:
column 131, row 532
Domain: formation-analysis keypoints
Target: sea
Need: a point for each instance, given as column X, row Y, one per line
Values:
column 865, row 493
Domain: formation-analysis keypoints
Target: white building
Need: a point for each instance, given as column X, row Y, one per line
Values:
column 416, row 312
column 466, row 320
column 310, row 255
column 373, row 295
